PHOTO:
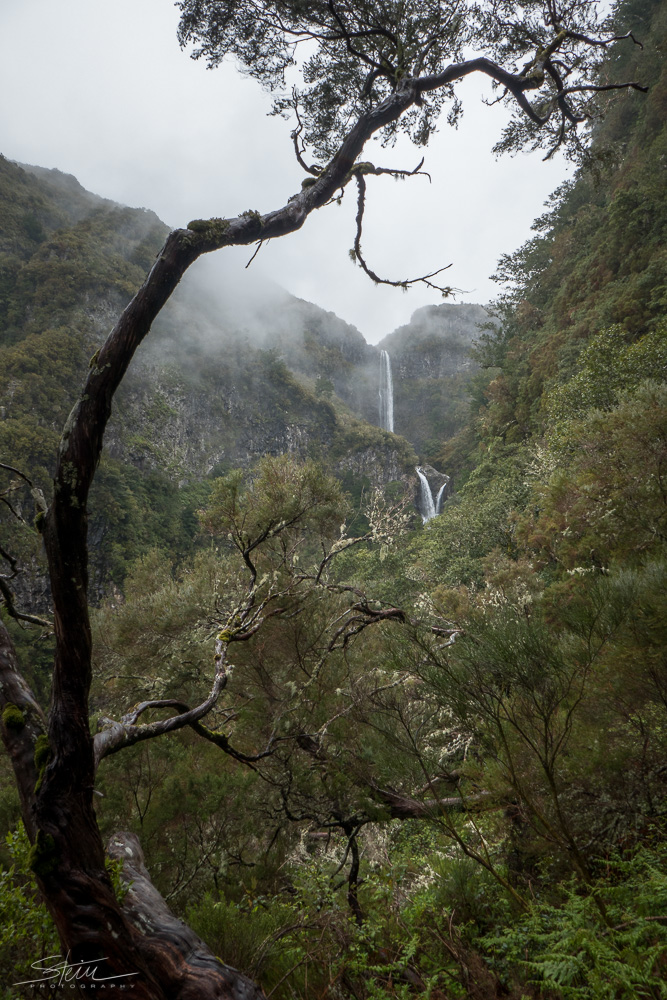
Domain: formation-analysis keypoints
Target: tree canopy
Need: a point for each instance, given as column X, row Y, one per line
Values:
column 356, row 57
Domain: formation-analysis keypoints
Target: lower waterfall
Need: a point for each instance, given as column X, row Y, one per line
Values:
column 428, row 501
column 428, row 508
column 438, row 499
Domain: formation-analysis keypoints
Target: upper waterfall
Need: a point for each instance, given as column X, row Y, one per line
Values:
column 386, row 393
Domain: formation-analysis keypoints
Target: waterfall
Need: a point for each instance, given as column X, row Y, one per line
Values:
column 386, row 393
column 438, row 499
column 428, row 509
column 430, row 504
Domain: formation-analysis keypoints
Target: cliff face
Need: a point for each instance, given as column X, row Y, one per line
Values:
column 214, row 386
column 432, row 366
column 436, row 342
column 217, row 384
column 200, row 421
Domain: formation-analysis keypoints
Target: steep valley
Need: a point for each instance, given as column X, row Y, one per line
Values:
column 219, row 383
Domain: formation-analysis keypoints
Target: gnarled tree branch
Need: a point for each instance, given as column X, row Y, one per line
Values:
column 358, row 255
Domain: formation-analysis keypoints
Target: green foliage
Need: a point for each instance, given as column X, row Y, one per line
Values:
column 324, row 386
column 362, row 54
column 42, row 751
column 114, row 869
column 134, row 511
column 157, row 638
column 479, row 518
column 184, row 794
column 27, row 932
column 429, row 411
column 249, row 935
column 591, row 509
column 49, row 331
column 12, row 717
column 354, row 437
column 34, row 650
column 303, row 941
column 282, row 495
column 42, row 857
column 570, row 949
column 598, row 258
column 608, row 366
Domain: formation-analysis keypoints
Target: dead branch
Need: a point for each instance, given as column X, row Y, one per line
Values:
column 357, row 254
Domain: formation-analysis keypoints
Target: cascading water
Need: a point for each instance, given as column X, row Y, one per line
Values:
column 386, row 393
column 428, row 508
column 430, row 503
column 438, row 499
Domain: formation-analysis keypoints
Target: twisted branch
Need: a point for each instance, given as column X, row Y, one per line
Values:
column 357, row 254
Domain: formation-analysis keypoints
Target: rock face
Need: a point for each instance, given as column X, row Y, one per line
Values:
column 200, row 422
column 436, row 342
column 431, row 366
column 219, row 381
column 213, row 391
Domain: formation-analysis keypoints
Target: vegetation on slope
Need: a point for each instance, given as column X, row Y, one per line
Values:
column 200, row 400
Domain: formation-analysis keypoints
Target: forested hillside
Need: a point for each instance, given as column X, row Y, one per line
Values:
column 220, row 383
column 436, row 767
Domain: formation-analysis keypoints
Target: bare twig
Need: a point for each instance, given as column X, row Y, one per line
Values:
column 10, row 468
column 357, row 254
column 260, row 244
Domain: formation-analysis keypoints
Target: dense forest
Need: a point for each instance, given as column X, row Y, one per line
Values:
column 439, row 764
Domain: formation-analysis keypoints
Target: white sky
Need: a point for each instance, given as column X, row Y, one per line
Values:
column 101, row 90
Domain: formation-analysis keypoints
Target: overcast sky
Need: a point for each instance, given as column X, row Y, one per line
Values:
column 101, row 90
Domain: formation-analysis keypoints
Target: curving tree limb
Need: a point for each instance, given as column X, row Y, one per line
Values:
column 186, row 966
